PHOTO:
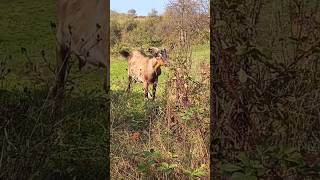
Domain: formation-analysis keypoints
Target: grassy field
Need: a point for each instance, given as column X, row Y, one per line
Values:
column 28, row 145
column 131, row 115
column 134, row 102
column 119, row 66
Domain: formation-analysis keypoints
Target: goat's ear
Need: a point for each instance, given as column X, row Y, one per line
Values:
column 150, row 50
column 153, row 51
column 165, row 52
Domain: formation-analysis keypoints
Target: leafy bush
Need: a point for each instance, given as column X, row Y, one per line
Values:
column 262, row 85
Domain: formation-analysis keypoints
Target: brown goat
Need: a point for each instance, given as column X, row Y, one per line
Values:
column 144, row 68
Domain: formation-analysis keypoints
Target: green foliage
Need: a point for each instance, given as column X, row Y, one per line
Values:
column 186, row 116
column 154, row 162
column 115, row 32
column 131, row 113
column 246, row 168
column 196, row 173
column 264, row 160
column 261, row 68
column 128, row 32
column 152, row 30
column 132, row 12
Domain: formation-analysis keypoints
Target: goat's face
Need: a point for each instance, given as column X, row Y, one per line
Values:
column 161, row 56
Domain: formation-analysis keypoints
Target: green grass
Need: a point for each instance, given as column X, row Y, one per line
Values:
column 200, row 54
column 26, row 24
column 134, row 103
column 119, row 66
column 130, row 113
column 129, row 108
column 29, row 146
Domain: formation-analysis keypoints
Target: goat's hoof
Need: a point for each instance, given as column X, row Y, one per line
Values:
column 150, row 96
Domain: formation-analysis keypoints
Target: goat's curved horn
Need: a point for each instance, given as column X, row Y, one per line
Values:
column 165, row 53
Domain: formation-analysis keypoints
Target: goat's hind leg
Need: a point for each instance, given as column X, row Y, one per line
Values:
column 129, row 84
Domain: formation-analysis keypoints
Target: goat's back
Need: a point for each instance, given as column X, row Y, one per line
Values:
column 141, row 66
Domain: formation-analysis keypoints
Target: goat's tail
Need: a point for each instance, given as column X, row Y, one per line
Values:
column 125, row 53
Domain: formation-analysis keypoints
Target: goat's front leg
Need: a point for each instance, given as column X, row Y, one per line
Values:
column 145, row 89
column 154, row 89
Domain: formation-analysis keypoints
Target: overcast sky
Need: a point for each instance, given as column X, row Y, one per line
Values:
column 142, row 7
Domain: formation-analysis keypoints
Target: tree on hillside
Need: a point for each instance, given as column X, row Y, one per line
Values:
column 153, row 13
column 112, row 13
column 187, row 19
column 132, row 12
column 115, row 32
